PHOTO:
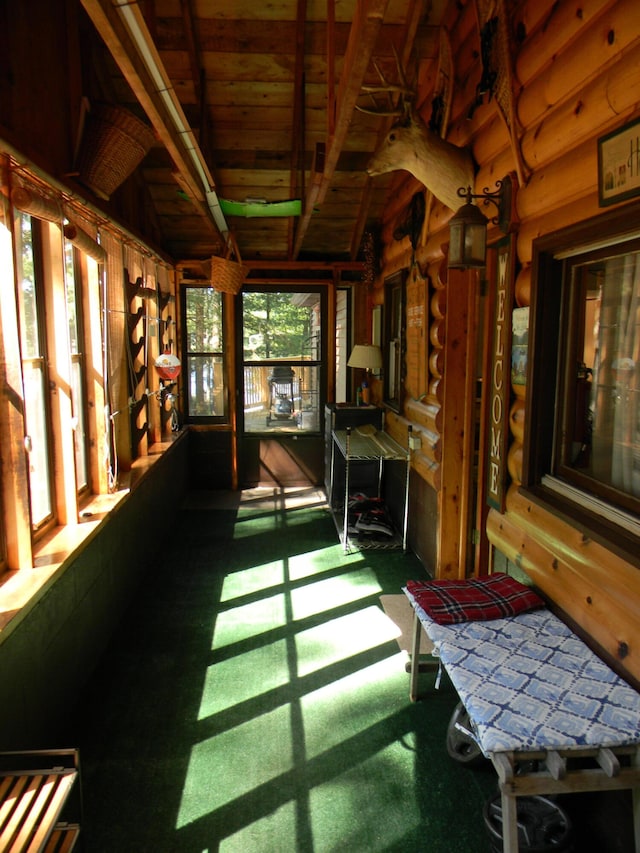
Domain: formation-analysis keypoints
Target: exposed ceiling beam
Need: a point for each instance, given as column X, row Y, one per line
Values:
column 363, row 36
column 198, row 76
column 296, row 177
column 141, row 66
column 414, row 16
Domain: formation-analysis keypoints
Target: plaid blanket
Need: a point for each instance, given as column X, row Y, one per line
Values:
column 477, row 599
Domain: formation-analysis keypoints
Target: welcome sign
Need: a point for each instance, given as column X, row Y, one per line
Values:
column 500, row 378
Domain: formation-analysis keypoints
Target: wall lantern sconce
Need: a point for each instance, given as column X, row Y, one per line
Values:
column 468, row 226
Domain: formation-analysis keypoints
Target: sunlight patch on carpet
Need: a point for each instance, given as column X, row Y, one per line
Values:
column 349, row 707
column 339, row 639
column 233, row 763
column 355, row 812
column 243, row 677
column 255, row 579
column 325, row 595
column 321, row 560
column 249, row 620
column 249, row 524
column 275, row 831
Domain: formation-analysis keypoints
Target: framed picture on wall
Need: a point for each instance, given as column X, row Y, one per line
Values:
column 619, row 164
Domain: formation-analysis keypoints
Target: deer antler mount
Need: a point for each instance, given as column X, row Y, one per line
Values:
column 440, row 165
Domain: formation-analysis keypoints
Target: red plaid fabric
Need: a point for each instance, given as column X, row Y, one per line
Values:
column 493, row 597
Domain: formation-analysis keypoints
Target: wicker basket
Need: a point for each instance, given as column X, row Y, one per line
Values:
column 227, row 275
column 114, row 143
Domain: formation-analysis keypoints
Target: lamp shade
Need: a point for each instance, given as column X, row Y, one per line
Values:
column 467, row 238
column 367, row 356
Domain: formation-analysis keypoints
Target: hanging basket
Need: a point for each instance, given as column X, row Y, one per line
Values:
column 114, row 143
column 228, row 275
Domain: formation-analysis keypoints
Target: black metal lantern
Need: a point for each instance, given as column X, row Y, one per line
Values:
column 467, row 236
column 468, row 226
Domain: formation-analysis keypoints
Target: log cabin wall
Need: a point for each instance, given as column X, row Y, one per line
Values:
column 575, row 77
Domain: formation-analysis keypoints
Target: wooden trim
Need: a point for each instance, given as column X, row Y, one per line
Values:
column 451, row 550
column 15, row 488
column 96, row 398
column 62, row 460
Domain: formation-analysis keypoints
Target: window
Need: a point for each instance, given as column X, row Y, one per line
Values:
column 205, row 388
column 282, row 359
column 34, row 368
column 583, row 429
column 78, row 396
column 394, row 309
column 66, row 310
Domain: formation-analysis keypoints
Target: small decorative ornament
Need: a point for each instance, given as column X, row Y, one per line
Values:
column 168, row 366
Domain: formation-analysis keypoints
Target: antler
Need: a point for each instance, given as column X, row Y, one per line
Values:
column 389, row 89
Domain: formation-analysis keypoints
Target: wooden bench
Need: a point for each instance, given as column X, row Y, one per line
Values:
column 37, row 788
column 548, row 713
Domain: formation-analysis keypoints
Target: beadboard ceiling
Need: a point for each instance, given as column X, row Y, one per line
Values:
column 267, row 91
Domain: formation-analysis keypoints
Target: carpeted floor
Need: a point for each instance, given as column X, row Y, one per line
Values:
column 255, row 699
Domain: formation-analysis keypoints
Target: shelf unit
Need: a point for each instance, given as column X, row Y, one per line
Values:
column 40, row 801
column 358, row 446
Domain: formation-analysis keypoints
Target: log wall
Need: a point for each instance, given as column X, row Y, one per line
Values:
column 576, row 77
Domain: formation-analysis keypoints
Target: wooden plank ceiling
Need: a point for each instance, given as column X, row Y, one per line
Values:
column 267, row 94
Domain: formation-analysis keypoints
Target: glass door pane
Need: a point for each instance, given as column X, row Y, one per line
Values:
column 282, row 354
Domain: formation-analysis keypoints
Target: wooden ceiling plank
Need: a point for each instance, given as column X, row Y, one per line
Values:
column 192, row 50
column 296, row 177
column 117, row 38
column 415, row 14
column 363, row 36
column 331, row 67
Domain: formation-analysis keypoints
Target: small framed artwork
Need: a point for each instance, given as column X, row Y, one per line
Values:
column 619, row 164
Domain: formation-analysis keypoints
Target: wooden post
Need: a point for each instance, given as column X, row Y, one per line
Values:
column 454, row 492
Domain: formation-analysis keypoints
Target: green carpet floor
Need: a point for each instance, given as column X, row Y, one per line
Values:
column 256, row 700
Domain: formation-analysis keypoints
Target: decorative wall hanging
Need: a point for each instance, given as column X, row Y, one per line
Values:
column 255, row 207
column 498, row 79
column 440, row 110
column 412, row 224
column 619, row 164
column 371, row 251
column 437, row 163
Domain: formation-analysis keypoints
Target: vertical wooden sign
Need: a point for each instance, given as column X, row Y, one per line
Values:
column 500, row 379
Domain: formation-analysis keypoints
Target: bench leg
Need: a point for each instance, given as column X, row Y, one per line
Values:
column 415, row 658
column 509, row 823
column 635, row 793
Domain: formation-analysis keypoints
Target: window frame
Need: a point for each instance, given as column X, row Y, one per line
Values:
column 188, row 354
column 47, row 521
column 550, row 346
column 395, row 342
column 286, row 428
column 74, row 289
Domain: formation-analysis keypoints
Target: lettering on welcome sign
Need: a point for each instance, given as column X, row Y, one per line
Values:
column 500, row 385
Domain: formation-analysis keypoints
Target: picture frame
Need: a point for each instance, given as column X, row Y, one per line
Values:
column 619, row 164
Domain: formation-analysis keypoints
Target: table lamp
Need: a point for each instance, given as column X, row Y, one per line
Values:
column 368, row 357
